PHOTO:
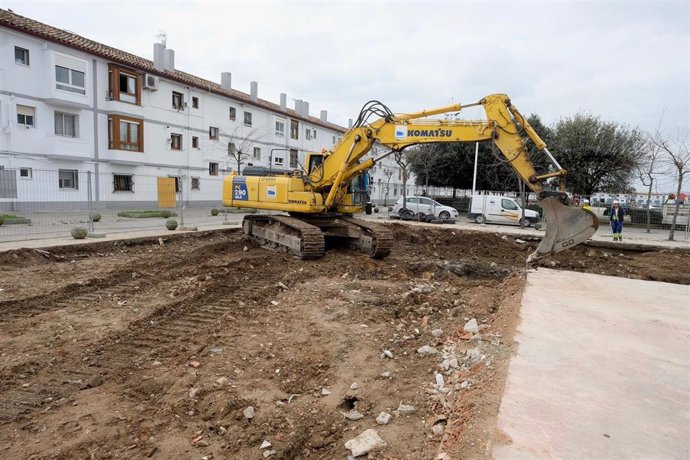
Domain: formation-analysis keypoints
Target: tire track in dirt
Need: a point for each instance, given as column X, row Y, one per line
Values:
column 119, row 280
column 114, row 356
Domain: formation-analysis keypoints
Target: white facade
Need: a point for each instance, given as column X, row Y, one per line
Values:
column 55, row 107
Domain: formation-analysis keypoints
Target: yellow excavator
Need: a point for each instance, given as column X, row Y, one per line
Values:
column 321, row 199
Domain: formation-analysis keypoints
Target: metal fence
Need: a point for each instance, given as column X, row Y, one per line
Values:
column 49, row 203
column 639, row 224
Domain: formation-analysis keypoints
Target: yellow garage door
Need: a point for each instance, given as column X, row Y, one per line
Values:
column 167, row 198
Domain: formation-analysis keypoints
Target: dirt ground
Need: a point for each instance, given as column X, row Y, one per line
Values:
column 157, row 347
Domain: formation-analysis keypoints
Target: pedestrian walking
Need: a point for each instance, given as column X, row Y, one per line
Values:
column 616, row 215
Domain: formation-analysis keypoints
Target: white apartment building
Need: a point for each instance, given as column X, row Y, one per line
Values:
column 73, row 111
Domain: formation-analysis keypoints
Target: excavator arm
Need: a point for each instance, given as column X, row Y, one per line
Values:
column 504, row 126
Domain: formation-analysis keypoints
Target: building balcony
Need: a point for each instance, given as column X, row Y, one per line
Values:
column 68, row 148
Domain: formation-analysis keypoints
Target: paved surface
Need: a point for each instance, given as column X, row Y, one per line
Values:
column 598, row 376
column 129, row 235
column 203, row 221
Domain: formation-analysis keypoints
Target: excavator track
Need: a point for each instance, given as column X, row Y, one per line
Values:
column 305, row 240
column 375, row 240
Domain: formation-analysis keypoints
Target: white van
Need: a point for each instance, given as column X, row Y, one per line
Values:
column 500, row 210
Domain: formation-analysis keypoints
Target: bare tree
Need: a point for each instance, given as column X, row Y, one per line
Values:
column 677, row 158
column 402, row 158
column 388, row 172
column 427, row 159
column 241, row 148
column 646, row 171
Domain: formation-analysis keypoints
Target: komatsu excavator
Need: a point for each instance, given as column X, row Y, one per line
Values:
column 322, row 198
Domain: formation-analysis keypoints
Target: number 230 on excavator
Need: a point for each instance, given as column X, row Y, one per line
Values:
column 318, row 203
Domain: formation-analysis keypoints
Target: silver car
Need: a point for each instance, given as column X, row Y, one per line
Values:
column 424, row 205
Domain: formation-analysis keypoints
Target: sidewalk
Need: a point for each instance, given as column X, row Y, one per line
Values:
column 69, row 241
column 601, row 372
column 202, row 223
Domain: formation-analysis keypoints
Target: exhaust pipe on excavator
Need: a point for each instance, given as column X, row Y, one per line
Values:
column 566, row 226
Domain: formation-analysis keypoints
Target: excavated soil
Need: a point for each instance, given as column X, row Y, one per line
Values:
column 156, row 348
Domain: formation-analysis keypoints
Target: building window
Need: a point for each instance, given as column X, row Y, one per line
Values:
column 232, row 113
column 257, row 153
column 125, row 133
column 195, row 183
column 68, row 179
column 231, row 148
column 314, row 133
column 26, row 115
column 195, row 102
column 21, row 55
column 213, row 132
column 66, row 124
column 177, row 100
column 308, row 134
column 247, row 118
column 213, row 169
column 176, row 141
column 125, row 85
column 123, row 183
column 294, row 156
column 278, row 161
column 280, row 127
column 294, row 129
column 25, row 173
column 69, row 80
column 195, row 142
column 334, row 139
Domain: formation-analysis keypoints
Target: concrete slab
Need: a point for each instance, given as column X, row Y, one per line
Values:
column 602, row 370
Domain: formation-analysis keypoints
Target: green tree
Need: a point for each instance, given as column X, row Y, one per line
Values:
column 452, row 165
column 600, row 156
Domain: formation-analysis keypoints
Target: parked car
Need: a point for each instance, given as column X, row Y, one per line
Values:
column 500, row 210
column 423, row 205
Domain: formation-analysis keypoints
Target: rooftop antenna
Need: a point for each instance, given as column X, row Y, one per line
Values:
column 162, row 37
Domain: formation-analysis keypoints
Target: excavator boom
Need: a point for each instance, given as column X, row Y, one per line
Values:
column 330, row 189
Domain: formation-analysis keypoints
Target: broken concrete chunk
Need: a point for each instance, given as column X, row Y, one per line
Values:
column 471, row 326
column 427, row 350
column 383, row 418
column 266, row 445
column 438, row 429
column 368, row 441
column 268, row 453
column 437, row 332
column 249, row 413
column 439, row 380
column 387, row 354
column 473, row 355
column 325, row 392
column 353, row 415
column 406, row 409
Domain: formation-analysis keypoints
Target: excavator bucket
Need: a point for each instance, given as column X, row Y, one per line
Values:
column 566, row 227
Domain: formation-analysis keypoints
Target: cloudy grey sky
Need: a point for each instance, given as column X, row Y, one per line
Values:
column 626, row 61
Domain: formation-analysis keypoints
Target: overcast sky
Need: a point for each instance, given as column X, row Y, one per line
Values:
column 623, row 60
